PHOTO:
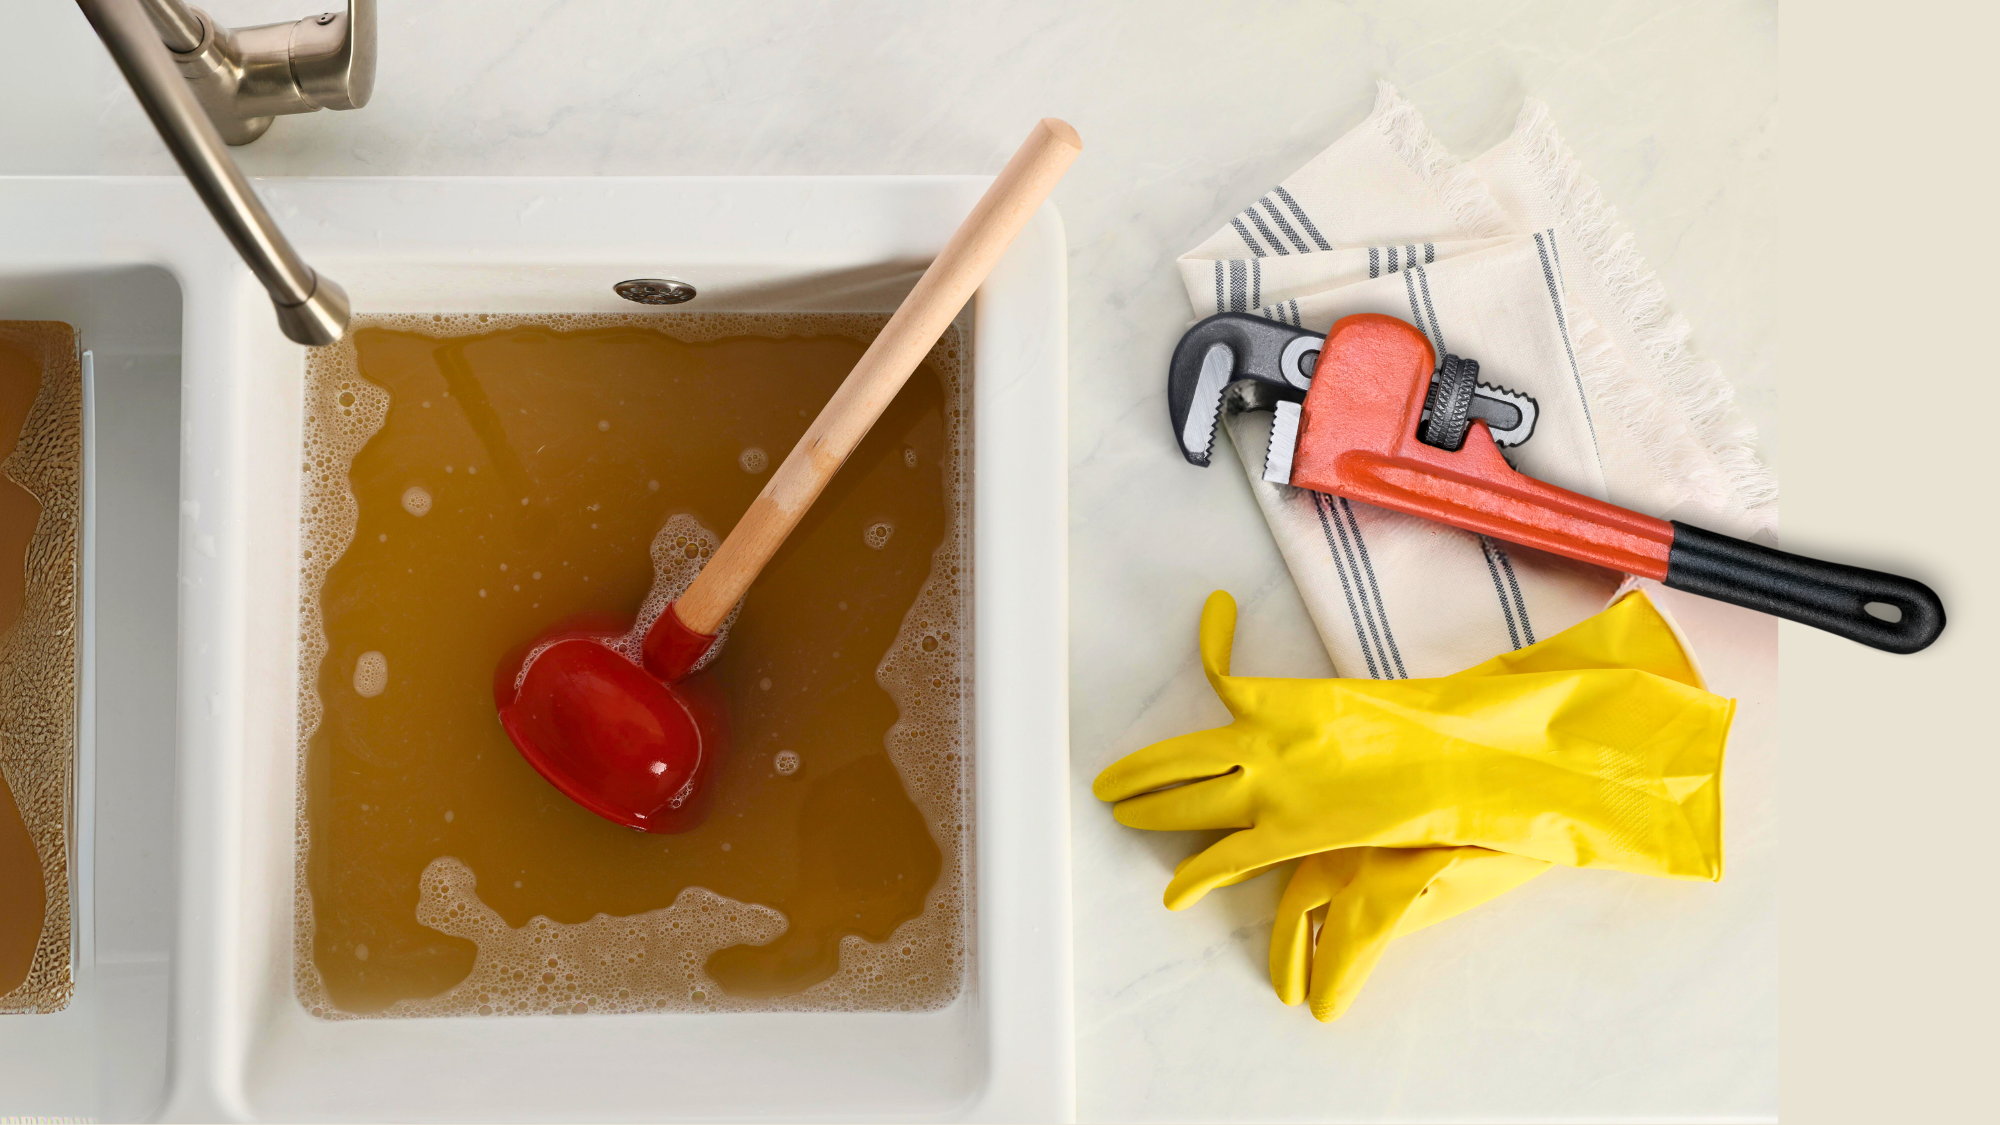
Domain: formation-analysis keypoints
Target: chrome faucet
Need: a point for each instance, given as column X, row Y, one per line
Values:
column 246, row 76
column 221, row 85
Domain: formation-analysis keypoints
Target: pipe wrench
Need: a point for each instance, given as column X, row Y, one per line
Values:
column 1370, row 412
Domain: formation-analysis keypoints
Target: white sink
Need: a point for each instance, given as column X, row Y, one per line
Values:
column 237, row 1044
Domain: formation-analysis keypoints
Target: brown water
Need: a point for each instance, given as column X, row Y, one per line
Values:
column 23, row 900
column 521, row 473
column 41, row 455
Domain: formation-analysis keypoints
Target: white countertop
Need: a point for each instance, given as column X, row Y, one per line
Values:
column 1188, row 111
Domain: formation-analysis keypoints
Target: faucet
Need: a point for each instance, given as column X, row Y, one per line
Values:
column 221, row 86
column 246, row 76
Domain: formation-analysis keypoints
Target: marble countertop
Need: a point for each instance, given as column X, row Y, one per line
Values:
column 1188, row 111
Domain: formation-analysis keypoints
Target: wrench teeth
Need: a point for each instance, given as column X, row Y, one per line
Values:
column 1284, row 443
column 1205, row 409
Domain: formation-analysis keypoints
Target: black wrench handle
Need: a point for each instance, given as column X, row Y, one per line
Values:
column 1825, row 595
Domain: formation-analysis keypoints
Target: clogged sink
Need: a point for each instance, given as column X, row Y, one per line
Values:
column 241, row 1045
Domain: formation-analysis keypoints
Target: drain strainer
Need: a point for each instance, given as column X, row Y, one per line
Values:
column 655, row 291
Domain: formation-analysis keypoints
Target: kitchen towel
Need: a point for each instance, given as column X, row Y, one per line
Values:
column 1514, row 260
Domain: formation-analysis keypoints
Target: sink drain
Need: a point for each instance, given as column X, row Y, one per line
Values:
column 654, row 291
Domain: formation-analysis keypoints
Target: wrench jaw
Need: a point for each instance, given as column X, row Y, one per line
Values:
column 1284, row 444
column 1231, row 362
column 1198, row 419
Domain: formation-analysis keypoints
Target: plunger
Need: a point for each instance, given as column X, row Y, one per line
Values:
column 634, row 743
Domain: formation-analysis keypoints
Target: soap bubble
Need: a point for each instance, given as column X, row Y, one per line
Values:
column 371, row 675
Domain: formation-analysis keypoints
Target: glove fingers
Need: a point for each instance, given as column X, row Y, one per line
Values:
column 1363, row 917
column 1291, row 947
column 1174, row 761
column 1221, row 802
column 1218, row 634
column 1313, row 883
column 1393, row 892
column 1224, row 860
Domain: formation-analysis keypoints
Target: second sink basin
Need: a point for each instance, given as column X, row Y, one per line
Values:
column 104, row 1055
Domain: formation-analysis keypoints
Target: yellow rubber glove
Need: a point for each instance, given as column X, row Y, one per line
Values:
column 1608, row 766
column 1373, row 895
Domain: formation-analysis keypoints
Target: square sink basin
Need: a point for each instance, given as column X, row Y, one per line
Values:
column 104, row 1054
column 237, row 1044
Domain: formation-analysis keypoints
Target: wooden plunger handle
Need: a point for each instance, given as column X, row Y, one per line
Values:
column 945, row 287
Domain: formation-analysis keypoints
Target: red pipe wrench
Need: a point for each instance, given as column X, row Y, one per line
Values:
column 1370, row 413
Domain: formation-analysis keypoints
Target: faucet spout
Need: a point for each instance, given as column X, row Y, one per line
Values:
column 311, row 309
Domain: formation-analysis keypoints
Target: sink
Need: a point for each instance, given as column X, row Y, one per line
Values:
column 105, row 1054
column 235, row 1043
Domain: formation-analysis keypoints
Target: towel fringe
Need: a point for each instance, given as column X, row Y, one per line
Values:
column 1689, row 390
column 1456, row 185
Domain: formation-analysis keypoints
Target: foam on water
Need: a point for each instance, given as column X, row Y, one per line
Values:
column 654, row 962
column 371, row 674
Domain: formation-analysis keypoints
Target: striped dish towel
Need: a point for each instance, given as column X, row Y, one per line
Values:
column 1513, row 260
